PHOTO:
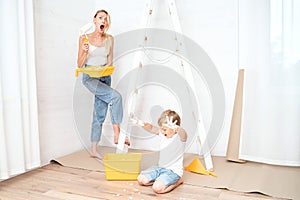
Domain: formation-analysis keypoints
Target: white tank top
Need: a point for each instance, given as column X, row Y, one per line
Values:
column 171, row 153
column 98, row 55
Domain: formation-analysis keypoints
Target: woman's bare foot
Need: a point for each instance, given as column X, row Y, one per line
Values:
column 93, row 152
column 116, row 129
column 127, row 141
column 116, row 138
column 96, row 155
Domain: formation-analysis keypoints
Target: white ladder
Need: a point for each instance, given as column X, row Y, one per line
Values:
column 202, row 133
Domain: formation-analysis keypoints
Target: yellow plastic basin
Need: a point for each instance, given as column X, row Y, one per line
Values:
column 122, row 166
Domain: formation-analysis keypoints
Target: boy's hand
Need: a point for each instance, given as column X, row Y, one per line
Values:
column 170, row 123
column 136, row 120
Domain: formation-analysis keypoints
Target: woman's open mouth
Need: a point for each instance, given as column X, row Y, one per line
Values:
column 102, row 27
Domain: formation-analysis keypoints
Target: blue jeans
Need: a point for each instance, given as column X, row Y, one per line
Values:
column 104, row 96
column 167, row 176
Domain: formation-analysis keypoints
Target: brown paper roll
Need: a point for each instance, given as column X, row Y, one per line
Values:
column 235, row 128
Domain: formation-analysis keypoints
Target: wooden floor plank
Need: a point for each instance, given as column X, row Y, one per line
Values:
column 9, row 193
column 56, row 182
column 67, row 196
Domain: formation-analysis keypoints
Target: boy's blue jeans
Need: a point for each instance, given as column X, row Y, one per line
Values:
column 104, row 96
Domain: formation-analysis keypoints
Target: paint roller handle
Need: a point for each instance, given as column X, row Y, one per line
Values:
column 85, row 28
column 85, row 45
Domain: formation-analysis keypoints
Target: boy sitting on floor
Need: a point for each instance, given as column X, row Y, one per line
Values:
column 167, row 175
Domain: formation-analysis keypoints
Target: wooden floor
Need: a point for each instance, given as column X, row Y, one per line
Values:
column 56, row 182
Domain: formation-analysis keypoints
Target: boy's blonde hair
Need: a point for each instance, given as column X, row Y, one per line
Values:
column 170, row 113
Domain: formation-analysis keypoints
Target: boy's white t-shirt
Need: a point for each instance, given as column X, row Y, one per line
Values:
column 171, row 153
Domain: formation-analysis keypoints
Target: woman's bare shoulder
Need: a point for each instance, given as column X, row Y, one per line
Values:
column 109, row 35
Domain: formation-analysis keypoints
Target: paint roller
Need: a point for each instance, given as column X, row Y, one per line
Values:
column 84, row 29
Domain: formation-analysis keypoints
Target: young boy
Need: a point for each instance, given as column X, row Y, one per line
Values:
column 167, row 175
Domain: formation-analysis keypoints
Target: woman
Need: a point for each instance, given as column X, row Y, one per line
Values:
column 96, row 49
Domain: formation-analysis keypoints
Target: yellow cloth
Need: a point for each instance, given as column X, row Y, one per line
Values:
column 96, row 71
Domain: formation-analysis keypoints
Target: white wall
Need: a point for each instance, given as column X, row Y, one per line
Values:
column 211, row 24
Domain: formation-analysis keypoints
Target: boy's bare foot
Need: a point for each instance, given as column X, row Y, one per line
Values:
column 180, row 181
column 160, row 188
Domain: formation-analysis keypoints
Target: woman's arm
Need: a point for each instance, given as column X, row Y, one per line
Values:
column 83, row 50
column 111, row 51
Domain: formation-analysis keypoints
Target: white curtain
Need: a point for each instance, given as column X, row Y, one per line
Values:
column 19, row 139
column 270, row 53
